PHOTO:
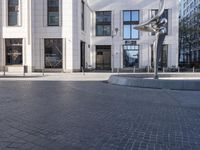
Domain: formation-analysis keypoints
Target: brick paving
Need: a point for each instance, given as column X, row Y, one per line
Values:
column 96, row 116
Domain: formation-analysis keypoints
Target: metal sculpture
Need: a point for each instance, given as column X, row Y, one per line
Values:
column 158, row 26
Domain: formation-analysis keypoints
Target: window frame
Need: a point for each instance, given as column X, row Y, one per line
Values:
column 48, row 12
column 18, row 14
column 104, row 24
column 131, row 24
column 152, row 34
column 131, row 50
column 46, row 46
column 6, row 46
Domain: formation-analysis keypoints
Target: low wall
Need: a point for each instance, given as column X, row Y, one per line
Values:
column 147, row 81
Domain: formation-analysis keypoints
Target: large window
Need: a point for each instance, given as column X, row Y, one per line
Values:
column 163, row 58
column 53, row 12
column 165, row 15
column 13, row 12
column 131, row 18
column 103, row 23
column 131, row 56
column 82, row 15
column 13, row 51
column 53, row 53
column 103, row 57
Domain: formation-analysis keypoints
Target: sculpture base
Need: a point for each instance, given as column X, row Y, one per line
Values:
column 187, row 81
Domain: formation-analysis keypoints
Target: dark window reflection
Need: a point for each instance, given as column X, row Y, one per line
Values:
column 103, row 23
column 165, row 15
column 13, row 12
column 131, row 55
column 13, row 51
column 53, row 12
column 82, row 15
column 163, row 58
column 53, row 53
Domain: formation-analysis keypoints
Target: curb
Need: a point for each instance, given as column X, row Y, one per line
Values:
column 193, row 85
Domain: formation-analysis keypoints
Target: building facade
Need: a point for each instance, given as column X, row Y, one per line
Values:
column 71, row 35
column 188, row 7
column 190, row 33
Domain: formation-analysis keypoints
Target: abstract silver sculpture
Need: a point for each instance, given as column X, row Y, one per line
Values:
column 158, row 26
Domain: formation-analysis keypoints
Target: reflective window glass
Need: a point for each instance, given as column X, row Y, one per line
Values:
column 13, row 12
column 53, row 12
column 53, row 53
column 131, row 56
column 13, row 51
column 103, row 23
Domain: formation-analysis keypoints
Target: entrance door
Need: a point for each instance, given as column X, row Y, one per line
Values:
column 103, row 57
column 82, row 55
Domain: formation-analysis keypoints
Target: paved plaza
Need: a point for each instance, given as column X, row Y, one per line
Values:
column 94, row 115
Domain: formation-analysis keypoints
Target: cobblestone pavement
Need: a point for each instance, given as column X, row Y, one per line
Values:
column 96, row 116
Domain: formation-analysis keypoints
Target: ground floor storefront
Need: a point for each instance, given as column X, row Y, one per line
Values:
column 52, row 55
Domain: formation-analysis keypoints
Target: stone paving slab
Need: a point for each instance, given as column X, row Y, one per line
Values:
column 96, row 116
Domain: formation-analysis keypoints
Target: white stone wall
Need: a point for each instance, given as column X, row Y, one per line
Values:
column 117, row 7
column 22, row 31
column 33, row 30
column 1, row 44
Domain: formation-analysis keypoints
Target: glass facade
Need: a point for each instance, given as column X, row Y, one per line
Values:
column 103, row 23
column 53, row 53
column 53, row 12
column 131, row 56
column 131, row 18
column 13, row 51
column 13, row 12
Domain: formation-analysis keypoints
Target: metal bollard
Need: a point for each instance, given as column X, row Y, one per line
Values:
column 43, row 72
column 4, row 70
column 193, row 69
column 178, row 69
column 163, row 69
column 24, row 71
column 134, row 69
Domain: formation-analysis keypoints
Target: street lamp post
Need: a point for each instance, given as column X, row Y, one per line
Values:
column 114, row 33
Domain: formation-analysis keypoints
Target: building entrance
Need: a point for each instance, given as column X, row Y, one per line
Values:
column 103, row 57
column 82, row 55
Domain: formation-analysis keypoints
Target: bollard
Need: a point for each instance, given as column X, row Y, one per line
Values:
column 117, row 70
column 83, row 70
column 178, row 69
column 4, row 70
column 148, row 69
column 134, row 69
column 163, row 69
column 43, row 72
column 193, row 69
column 24, row 70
